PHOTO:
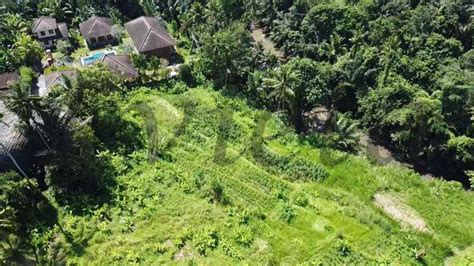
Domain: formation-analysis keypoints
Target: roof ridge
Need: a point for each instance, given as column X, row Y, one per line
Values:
column 95, row 19
column 146, row 21
column 159, row 34
column 56, row 75
column 151, row 28
column 144, row 39
column 41, row 18
column 163, row 36
column 149, row 25
column 118, row 62
column 91, row 24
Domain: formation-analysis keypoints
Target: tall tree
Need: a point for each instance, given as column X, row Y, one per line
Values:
column 225, row 56
column 281, row 85
column 19, row 100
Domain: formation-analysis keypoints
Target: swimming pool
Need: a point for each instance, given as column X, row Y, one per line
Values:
column 95, row 57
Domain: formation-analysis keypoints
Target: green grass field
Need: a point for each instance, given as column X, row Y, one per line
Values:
column 186, row 204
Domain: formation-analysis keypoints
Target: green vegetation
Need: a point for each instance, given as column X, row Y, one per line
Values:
column 193, row 207
column 226, row 163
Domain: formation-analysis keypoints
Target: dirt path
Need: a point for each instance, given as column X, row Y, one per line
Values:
column 398, row 210
column 268, row 45
column 382, row 155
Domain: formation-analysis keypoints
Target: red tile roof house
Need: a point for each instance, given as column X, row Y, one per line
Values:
column 150, row 37
column 97, row 31
column 48, row 31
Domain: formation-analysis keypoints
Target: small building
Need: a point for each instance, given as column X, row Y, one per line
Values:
column 97, row 31
column 150, row 37
column 120, row 64
column 6, row 79
column 57, row 78
column 48, row 31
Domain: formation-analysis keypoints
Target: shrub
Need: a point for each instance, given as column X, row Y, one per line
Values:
column 179, row 88
column 280, row 194
column 342, row 246
column 300, row 199
column 302, row 170
column 229, row 250
column 117, row 31
column 158, row 147
column 187, row 184
column 64, row 47
column 206, row 239
column 242, row 216
column 186, row 75
column 215, row 192
column 259, row 213
column 243, row 236
column 160, row 248
column 181, row 239
column 287, row 213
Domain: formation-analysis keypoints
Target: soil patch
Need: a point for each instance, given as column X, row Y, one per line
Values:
column 401, row 212
column 268, row 45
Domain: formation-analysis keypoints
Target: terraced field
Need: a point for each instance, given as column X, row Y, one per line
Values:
column 170, row 210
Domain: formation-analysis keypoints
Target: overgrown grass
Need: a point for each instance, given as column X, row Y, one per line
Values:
column 194, row 205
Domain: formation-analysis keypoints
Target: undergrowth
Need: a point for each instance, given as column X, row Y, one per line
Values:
column 269, row 198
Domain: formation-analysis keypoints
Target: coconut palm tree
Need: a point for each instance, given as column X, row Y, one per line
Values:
column 287, row 95
column 59, row 8
column 14, row 22
column 191, row 20
column 254, row 9
column 282, row 30
column 29, row 51
column 332, row 49
column 281, row 85
column 10, row 26
column 20, row 102
column 24, row 105
column 344, row 133
column 214, row 14
column 149, row 7
column 83, row 13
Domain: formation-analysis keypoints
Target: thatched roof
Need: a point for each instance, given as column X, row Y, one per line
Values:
column 148, row 34
column 44, row 24
column 121, row 64
column 96, row 27
column 8, row 78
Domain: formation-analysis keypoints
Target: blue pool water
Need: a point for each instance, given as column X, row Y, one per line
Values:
column 95, row 57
